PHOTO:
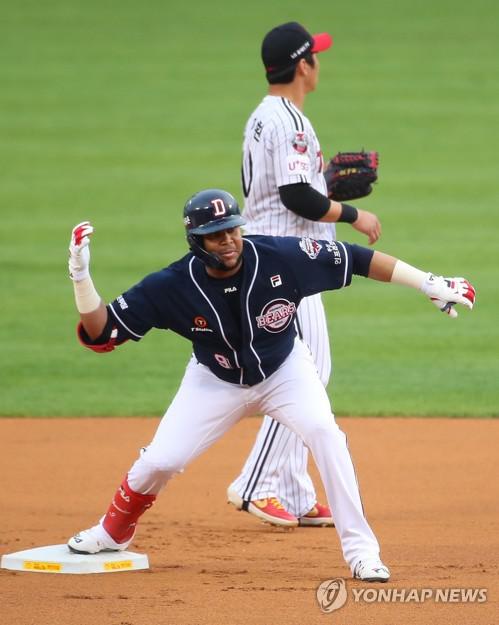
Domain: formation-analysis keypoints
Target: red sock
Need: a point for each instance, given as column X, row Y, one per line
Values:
column 125, row 509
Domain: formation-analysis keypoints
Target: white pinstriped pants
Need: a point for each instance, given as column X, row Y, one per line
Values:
column 277, row 463
column 205, row 407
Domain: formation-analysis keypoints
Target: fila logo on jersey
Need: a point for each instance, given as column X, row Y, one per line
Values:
column 311, row 247
column 275, row 280
column 276, row 315
column 300, row 143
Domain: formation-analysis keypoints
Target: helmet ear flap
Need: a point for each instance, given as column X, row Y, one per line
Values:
column 195, row 242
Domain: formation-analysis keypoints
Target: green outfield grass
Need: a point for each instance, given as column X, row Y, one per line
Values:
column 117, row 112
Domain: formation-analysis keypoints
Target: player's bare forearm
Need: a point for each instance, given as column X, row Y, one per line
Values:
column 366, row 222
column 369, row 224
column 381, row 267
column 94, row 322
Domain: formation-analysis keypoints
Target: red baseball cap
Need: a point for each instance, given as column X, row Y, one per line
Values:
column 285, row 45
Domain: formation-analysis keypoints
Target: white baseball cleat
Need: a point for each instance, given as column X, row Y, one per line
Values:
column 94, row 540
column 371, row 570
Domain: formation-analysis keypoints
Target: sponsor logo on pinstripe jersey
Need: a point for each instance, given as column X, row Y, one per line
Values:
column 276, row 315
column 298, row 164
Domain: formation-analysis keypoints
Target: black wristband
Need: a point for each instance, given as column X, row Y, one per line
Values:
column 349, row 213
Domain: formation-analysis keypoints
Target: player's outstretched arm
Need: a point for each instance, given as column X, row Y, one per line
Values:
column 93, row 312
column 445, row 293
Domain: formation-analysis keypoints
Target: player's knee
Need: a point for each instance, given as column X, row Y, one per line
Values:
column 150, row 474
column 170, row 464
column 320, row 430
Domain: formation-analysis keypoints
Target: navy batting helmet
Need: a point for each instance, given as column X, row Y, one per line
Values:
column 209, row 211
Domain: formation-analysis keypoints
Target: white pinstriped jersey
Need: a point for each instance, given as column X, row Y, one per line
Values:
column 280, row 148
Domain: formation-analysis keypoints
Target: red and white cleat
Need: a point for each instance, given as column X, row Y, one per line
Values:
column 95, row 540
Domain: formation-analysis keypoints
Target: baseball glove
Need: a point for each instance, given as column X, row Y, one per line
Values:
column 350, row 175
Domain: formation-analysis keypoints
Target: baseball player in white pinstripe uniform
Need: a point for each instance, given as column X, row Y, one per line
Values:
column 286, row 194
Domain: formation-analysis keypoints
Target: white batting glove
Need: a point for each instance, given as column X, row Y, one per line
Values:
column 445, row 293
column 79, row 251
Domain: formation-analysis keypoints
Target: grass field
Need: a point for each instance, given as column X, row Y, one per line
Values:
column 117, row 112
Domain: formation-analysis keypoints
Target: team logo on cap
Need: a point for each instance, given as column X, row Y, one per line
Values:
column 218, row 207
column 311, row 247
column 300, row 143
column 276, row 315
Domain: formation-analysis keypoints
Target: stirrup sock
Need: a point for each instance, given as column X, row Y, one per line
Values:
column 125, row 509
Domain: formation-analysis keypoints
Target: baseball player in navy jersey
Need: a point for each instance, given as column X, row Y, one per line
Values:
column 235, row 298
column 285, row 194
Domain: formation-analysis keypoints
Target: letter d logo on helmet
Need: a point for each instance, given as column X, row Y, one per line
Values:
column 209, row 211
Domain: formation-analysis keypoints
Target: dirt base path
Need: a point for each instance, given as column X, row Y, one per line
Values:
column 429, row 488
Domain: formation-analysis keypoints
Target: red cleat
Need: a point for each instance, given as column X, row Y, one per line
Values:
column 318, row 516
column 269, row 510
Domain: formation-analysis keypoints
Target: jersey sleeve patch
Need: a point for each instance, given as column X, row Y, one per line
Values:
column 300, row 143
column 298, row 165
column 310, row 247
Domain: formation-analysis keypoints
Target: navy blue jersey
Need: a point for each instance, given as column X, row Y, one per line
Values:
column 277, row 273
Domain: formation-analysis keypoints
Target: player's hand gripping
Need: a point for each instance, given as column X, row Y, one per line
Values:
column 445, row 293
column 368, row 224
column 79, row 251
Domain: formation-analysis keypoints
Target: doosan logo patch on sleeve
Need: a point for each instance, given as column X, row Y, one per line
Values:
column 311, row 247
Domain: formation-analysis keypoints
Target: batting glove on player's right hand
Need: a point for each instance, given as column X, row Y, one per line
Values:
column 445, row 293
column 79, row 252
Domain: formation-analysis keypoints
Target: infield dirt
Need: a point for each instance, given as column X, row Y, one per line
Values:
column 429, row 488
